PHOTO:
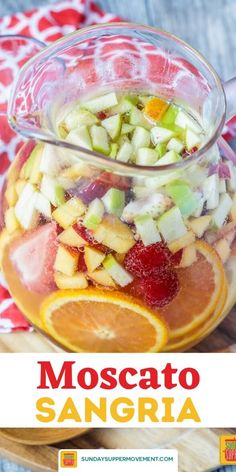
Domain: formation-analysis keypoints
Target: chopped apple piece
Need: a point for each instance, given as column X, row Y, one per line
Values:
column 114, row 201
column 146, row 156
column 113, row 125
column 11, row 195
column 25, row 210
column 43, row 205
column 182, row 242
column 184, row 120
column 147, row 229
column 78, row 170
column 71, row 238
column 220, row 214
column 125, row 152
column 189, row 256
column 141, row 138
column 32, row 166
column 11, row 221
column 211, row 191
column 233, row 209
column 93, row 258
column 100, row 141
column 171, row 225
column 67, row 214
column 192, row 139
column 101, row 277
column 153, row 204
column 94, row 214
column 66, row 260
column 114, row 234
column 78, row 280
column 161, row 135
column 52, row 190
column 101, row 103
column 80, row 137
column 19, row 186
column 79, row 117
column 223, row 249
column 175, row 145
column 117, row 272
column 200, row 225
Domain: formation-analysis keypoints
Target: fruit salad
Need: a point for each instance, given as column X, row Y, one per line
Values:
column 121, row 262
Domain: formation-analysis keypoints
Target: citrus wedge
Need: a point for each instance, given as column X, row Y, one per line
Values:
column 186, row 341
column 93, row 320
column 201, row 285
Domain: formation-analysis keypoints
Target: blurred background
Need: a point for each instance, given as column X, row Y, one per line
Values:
column 207, row 25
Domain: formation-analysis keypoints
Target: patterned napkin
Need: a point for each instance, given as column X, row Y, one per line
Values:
column 47, row 24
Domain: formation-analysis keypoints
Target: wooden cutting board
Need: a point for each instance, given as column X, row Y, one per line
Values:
column 198, row 449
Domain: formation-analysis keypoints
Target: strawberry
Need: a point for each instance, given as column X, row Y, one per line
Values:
column 176, row 258
column 158, row 290
column 81, row 265
column 33, row 256
column 143, row 261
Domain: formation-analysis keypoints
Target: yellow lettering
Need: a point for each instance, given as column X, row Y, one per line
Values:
column 126, row 413
column 69, row 412
column 48, row 414
column 188, row 412
column 147, row 407
column 91, row 408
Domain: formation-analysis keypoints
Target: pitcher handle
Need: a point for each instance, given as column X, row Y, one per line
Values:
column 230, row 93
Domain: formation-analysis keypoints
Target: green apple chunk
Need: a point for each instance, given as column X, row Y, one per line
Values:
column 113, row 150
column 169, row 158
column 113, row 126
column 147, row 229
column 146, row 156
column 25, row 210
column 32, row 166
column 125, row 152
column 141, row 138
column 43, row 205
column 220, row 214
column 169, row 116
column 184, row 120
column 160, row 149
column 192, row 139
column 183, row 197
column 52, row 190
column 137, row 118
column 101, row 103
column 80, row 137
column 211, row 191
column 171, row 225
column 127, row 128
column 176, row 145
column 116, row 271
column 94, row 214
column 161, row 135
column 153, row 205
column 79, row 117
column 114, row 201
column 100, row 141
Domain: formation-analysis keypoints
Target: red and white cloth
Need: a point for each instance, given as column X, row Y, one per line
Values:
column 46, row 24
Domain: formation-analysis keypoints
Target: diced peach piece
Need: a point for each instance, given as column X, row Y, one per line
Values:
column 189, row 256
column 76, row 171
column 233, row 209
column 11, row 221
column 67, row 214
column 11, row 195
column 101, row 277
column 114, row 234
column 66, row 260
column 19, row 186
column 200, row 225
column 71, row 238
column 78, row 280
column 222, row 247
column 182, row 242
column 155, row 108
column 93, row 258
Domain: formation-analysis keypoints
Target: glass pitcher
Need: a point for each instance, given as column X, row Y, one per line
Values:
column 120, row 210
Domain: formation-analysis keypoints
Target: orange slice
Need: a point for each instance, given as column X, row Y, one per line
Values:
column 196, row 335
column 155, row 108
column 93, row 320
column 201, row 285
